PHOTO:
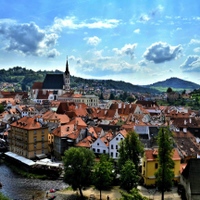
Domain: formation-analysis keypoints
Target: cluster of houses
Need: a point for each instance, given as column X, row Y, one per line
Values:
column 40, row 130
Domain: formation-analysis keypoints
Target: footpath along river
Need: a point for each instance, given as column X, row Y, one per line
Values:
column 18, row 188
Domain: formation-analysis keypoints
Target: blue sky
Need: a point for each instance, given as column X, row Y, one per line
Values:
column 136, row 41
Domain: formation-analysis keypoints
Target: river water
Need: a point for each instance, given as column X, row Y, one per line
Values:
column 18, row 188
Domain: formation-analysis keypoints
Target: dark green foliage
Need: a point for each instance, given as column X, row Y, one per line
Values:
column 133, row 195
column 78, row 165
column 129, row 176
column 175, row 83
column 112, row 96
column 130, row 99
column 169, row 90
column 1, row 108
column 132, row 149
column 165, row 174
column 28, row 77
column 2, row 197
column 103, row 175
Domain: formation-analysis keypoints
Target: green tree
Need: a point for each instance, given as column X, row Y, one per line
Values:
column 112, row 96
column 3, row 197
column 1, row 108
column 165, row 174
column 132, row 149
column 128, row 176
column 101, row 96
column 169, row 90
column 133, row 195
column 78, row 165
column 103, row 175
column 130, row 99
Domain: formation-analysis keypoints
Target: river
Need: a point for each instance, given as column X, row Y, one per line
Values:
column 18, row 188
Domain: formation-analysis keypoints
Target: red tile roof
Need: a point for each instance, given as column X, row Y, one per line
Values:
column 37, row 85
column 151, row 154
column 27, row 123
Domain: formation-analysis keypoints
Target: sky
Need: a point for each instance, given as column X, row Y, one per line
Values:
column 136, row 41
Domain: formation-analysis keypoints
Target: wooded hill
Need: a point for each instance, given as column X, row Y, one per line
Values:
column 25, row 78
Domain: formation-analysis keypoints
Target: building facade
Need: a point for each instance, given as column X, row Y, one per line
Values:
column 150, row 165
column 28, row 137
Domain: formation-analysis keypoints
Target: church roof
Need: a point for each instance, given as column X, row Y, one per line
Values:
column 53, row 81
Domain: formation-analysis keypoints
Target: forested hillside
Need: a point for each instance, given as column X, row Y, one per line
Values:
column 26, row 77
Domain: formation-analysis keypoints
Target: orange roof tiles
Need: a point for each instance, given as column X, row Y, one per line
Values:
column 27, row 123
column 151, row 154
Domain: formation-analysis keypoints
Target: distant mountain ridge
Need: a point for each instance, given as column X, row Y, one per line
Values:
column 26, row 77
column 174, row 83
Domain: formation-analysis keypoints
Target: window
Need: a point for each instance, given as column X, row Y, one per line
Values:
column 111, row 154
column 104, row 151
column 35, row 132
column 111, row 146
column 93, row 149
column 117, row 138
column 116, row 146
column 98, row 144
column 116, row 155
column 156, row 165
column 98, row 150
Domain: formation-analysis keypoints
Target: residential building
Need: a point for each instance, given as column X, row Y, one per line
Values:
column 150, row 165
column 28, row 137
column 114, row 143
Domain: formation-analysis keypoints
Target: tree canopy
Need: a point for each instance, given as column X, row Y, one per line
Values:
column 133, row 195
column 78, row 165
column 129, row 177
column 165, row 174
column 103, row 175
column 132, row 149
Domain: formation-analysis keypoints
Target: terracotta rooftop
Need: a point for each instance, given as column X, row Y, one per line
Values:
column 151, row 154
column 27, row 123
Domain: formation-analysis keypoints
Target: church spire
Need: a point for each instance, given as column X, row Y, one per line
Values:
column 67, row 67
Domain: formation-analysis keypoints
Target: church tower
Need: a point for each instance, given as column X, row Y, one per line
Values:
column 67, row 77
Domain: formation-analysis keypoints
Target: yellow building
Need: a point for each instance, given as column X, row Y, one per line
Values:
column 28, row 137
column 150, row 166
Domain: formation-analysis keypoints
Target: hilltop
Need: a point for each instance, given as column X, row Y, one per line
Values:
column 175, row 83
column 24, row 78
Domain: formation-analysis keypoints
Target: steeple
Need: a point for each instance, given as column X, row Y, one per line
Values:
column 66, row 76
column 67, row 67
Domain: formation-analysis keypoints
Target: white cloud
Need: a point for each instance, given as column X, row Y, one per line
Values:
column 52, row 53
column 191, row 64
column 28, row 39
column 160, row 52
column 93, row 41
column 194, row 41
column 144, row 18
column 137, row 31
column 142, row 63
column 127, row 49
column 73, row 23
column 197, row 50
